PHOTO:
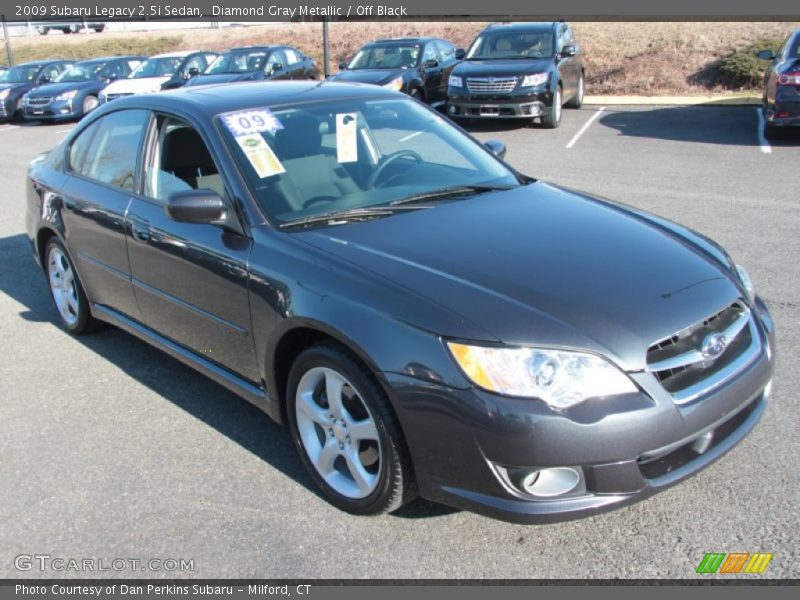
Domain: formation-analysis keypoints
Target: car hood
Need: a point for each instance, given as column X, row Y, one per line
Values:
column 141, row 85
column 501, row 68
column 376, row 76
column 15, row 86
column 223, row 78
column 541, row 265
column 54, row 89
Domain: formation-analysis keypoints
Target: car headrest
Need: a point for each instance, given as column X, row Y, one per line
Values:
column 503, row 45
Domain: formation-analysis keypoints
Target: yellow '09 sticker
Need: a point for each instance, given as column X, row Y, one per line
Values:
column 260, row 155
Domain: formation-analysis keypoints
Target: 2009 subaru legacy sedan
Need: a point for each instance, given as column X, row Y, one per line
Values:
column 426, row 319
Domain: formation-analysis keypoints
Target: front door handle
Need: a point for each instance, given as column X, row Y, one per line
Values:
column 141, row 232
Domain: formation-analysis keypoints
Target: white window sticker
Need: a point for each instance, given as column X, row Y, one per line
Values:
column 346, row 143
column 260, row 155
column 246, row 122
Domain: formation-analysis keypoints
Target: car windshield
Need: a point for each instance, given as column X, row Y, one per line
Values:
column 157, row 67
column 19, row 74
column 386, row 57
column 81, row 72
column 307, row 161
column 493, row 45
column 238, row 62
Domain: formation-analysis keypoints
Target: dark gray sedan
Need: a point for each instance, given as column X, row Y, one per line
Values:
column 427, row 320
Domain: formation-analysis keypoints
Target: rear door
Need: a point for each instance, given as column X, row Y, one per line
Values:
column 431, row 66
column 102, row 161
column 447, row 58
column 190, row 279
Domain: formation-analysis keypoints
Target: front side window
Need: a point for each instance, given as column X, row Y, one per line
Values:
column 157, row 67
column 81, row 72
column 430, row 53
column 108, row 150
column 291, row 56
column 386, row 57
column 493, row 45
column 302, row 161
column 447, row 51
column 180, row 161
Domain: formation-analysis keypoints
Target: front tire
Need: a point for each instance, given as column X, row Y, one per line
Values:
column 89, row 104
column 66, row 290
column 553, row 119
column 346, row 433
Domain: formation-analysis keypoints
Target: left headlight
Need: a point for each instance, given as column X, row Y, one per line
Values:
column 4, row 94
column 744, row 277
column 534, row 80
column 560, row 378
column 455, row 81
column 395, row 84
column 67, row 95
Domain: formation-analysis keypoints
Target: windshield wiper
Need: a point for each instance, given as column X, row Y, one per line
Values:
column 450, row 192
column 350, row 214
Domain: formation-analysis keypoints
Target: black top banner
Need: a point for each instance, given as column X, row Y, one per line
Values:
column 254, row 10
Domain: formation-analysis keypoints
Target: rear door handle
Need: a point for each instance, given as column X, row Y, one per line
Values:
column 141, row 232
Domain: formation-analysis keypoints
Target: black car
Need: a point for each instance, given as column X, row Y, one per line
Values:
column 518, row 71
column 258, row 63
column 20, row 79
column 424, row 317
column 782, row 86
column 75, row 92
column 417, row 66
column 69, row 26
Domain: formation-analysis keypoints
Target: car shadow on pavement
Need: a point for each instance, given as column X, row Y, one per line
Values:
column 724, row 125
column 204, row 399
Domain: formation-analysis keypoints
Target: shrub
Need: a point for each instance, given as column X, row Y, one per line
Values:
column 91, row 48
column 743, row 68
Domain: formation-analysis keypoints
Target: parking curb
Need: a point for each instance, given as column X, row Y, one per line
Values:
column 718, row 100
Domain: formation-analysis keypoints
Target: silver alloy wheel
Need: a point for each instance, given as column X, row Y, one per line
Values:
column 89, row 104
column 63, row 286
column 557, row 105
column 338, row 432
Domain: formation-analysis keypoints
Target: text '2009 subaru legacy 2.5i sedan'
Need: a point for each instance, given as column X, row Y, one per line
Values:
column 425, row 318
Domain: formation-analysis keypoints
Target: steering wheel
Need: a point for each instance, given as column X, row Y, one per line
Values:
column 389, row 159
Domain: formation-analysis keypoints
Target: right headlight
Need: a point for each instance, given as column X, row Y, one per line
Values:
column 560, row 378
column 455, row 81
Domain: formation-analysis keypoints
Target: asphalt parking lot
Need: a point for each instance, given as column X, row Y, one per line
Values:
column 110, row 449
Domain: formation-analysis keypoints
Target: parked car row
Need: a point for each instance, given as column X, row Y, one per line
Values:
column 511, row 70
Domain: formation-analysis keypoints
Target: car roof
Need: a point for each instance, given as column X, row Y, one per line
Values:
column 253, row 48
column 178, row 54
column 209, row 100
column 104, row 59
column 41, row 63
column 524, row 25
column 403, row 40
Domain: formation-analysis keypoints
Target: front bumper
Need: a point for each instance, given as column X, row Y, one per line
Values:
column 6, row 109
column 507, row 106
column 53, row 111
column 625, row 449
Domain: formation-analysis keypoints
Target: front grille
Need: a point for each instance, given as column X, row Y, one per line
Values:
column 39, row 100
column 491, row 85
column 704, row 355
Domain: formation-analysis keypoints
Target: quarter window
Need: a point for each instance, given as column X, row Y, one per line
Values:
column 291, row 56
column 107, row 151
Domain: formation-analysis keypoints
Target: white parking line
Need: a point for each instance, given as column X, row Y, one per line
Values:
column 63, row 130
column 586, row 126
column 762, row 141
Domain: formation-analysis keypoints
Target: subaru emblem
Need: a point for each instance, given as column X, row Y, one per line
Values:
column 713, row 345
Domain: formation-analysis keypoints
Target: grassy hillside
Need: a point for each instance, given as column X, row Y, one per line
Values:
column 621, row 58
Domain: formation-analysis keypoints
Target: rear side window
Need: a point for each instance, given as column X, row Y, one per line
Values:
column 107, row 151
column 446, row 51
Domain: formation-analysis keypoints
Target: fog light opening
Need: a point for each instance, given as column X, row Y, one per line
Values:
column 547, row 483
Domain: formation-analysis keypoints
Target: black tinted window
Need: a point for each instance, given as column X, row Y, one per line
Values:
column 113, row 149
column 79, row 147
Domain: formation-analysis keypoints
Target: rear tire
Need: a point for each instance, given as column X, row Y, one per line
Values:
column 577, row 101
column 352, row 447
column 66, row 290
column 553, row 119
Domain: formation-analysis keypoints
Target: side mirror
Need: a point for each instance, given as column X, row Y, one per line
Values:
column 44, row 79
column 196, row 206
column 569, row 50
column 460, row 54
column 191, row 72
column 496, row 147
column 766, row 55
column 342, row 66
column 277, row 67
column 431, row 64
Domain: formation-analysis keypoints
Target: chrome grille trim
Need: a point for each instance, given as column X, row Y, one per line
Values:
column 491, row 85
column 39, row 100
column 685, row 363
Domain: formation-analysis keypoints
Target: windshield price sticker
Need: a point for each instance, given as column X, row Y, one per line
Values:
column 247, row 122
column 260, row 155
column 346, row 143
